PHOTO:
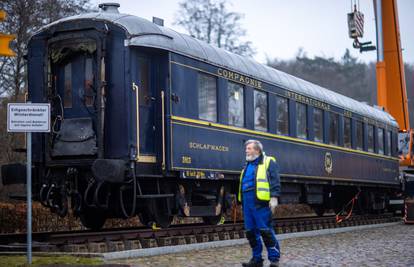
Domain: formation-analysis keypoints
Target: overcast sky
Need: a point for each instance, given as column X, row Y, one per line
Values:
column 278, row 28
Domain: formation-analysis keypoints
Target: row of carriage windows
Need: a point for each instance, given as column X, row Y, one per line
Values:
column 207, row 105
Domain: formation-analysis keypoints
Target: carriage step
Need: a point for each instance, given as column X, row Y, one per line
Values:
column 196, row 211
column 206, row 196
column 155, row 196
column 21, row 197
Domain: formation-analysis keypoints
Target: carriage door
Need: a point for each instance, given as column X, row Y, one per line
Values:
column 75, row 86
column 74, row 127
column 143, row 83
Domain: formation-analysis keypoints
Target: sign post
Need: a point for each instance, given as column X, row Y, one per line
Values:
column 29, row 195
column 28, row 118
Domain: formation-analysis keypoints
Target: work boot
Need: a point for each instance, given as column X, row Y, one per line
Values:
column 274, row 264
column 253, row 263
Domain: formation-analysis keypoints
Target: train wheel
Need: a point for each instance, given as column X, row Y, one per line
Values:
column 219, row 209
column 92, row 219
column 212, row 220
column 319, row 210
column 361, row 207
column 337, row 209
column 144, row 218
column 161, row 213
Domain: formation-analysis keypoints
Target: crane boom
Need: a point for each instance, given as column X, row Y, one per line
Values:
column 391, row 88
column 392, row 92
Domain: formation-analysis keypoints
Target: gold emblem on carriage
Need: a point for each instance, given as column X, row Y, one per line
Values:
column 328, row 162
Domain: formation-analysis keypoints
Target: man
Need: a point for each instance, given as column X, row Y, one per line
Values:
column 259, row 191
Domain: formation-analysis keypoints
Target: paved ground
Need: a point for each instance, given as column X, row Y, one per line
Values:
column 385, row 246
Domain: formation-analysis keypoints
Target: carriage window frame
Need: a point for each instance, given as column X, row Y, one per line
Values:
column 389, row 143
column 238, row 110
column 359, row 144
column 67, row 86
column 301, row 121
column 145, row 81
column 370, row 140
column 88, row 82
column 381, row 142
column 333, row 129
column 318, row 127
column 347, row 132
column 282, row 115
column 207, row 84
column 263, row 117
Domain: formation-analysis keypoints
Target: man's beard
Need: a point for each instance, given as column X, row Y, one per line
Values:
column 251, row 157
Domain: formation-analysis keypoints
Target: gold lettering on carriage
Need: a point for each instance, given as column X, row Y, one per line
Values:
column 234, row 76
column 194, row 145
column 307, row 100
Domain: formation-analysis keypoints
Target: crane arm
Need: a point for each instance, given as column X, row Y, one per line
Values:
column 391, row 88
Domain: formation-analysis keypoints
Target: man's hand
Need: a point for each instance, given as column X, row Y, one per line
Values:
column 273, row 203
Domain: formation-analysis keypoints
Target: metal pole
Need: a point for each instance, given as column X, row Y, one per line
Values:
column 378, row 24
column 29, row 196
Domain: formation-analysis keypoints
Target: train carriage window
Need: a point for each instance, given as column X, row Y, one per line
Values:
column 260, row 110
column 370, row 138
column 282, row 115
column 333, row 128
column 144, row 90
column 389, row 143
column 88, row 93
column 347, row 132
column 359, row 135
column 318, row 124
column 301, row 122
column 207, row 97
column 236, row 104
column 67, row 95
column 380, row 141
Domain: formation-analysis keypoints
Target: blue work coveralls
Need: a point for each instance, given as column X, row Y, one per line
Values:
column 257, row 214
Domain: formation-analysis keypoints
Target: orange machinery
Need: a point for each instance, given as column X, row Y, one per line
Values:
column 392, row 93
column 391, row 86
column 5, row 40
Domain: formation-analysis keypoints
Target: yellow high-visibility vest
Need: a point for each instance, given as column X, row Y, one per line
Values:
column 262, row 181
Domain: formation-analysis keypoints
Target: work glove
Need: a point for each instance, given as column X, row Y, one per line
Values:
column 273, row 203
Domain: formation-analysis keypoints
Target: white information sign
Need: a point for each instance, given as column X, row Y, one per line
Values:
column 28, row 117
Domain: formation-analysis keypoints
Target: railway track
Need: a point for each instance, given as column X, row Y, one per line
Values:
column 135, row 238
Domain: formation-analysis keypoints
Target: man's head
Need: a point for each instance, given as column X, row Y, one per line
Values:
column 253, row 149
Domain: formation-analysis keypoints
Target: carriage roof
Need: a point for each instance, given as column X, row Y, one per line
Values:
column 141, row 32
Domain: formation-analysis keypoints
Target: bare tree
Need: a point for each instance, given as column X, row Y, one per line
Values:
column 211, row 21
column 24, row 17
column 347, row 76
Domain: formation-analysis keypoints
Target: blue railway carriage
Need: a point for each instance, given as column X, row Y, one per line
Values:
column 149, row 122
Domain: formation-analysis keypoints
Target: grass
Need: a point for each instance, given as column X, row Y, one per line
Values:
column 12, row 261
